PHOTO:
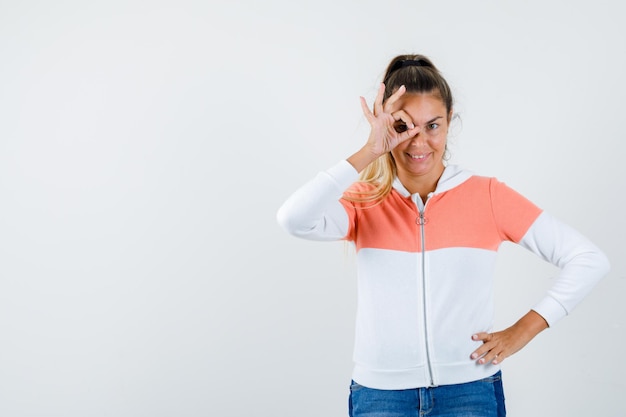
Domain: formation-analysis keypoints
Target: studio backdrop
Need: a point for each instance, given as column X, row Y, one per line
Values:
column 145, row 148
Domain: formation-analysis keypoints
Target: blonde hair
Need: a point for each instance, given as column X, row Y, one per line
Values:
column 379, row 175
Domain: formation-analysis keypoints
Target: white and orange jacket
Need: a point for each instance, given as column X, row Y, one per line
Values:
column 425, row 271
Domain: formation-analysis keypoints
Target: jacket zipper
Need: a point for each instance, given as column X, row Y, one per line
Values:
column 422, row 221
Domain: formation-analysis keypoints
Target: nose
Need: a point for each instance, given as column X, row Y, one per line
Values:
column 418, row 140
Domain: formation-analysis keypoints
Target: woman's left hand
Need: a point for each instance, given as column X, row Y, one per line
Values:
column 500, row 345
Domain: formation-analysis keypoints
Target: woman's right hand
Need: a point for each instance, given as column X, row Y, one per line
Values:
column 388, row 129
column 386, row 133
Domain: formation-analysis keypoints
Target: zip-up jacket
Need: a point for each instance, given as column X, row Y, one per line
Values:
column 425, row 270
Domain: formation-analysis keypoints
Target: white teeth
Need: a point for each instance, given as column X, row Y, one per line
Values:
column 418, row 156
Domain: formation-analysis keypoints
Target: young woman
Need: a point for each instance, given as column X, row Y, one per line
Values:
column 426, row 235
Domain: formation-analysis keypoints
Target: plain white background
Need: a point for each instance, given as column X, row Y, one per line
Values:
column 146, row 146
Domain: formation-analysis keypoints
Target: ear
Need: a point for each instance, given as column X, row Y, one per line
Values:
column 450, row 115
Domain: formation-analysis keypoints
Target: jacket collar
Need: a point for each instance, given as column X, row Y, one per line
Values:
column 452, row 176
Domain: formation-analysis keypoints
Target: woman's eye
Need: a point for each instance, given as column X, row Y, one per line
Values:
column 400, row 127
column 433, row 126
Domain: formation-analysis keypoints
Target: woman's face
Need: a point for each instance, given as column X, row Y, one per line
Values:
column 422, row 155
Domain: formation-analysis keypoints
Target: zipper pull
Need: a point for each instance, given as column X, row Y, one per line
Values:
column 421, row 220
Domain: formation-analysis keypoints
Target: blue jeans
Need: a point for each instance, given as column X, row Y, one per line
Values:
column 483, row 398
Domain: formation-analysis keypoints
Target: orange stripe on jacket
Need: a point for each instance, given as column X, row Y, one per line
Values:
column 479, row 213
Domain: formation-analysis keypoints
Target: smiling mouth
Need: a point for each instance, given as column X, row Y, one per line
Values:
column 417, row 156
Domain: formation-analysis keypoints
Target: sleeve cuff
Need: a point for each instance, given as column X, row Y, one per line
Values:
column 551, row 310
column 343, row 174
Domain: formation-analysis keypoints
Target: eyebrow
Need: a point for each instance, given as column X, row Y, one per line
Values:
column 432, row 120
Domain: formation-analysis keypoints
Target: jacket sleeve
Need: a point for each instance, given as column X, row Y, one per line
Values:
column 581, row 265
column 314, row 211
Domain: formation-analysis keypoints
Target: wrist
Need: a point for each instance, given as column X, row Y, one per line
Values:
column 532, row 324
column 363, row 157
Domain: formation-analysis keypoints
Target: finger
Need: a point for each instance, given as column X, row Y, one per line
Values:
column 495, row 356
column 490, row 356
column 409, row 134
column 499, row 358
column 485, row 348
column 378, row 103
column 485, row 355
column 403, row 116
column 366, row 110
column 480, row 352
column 395, row 96
column 483, row 337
